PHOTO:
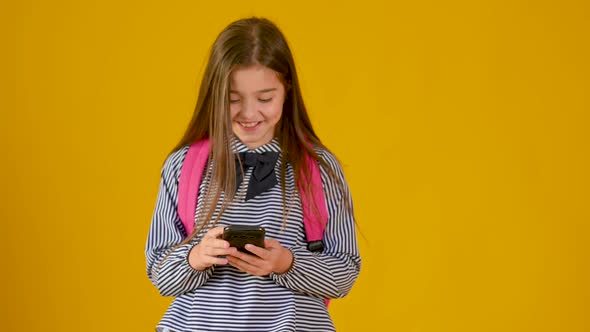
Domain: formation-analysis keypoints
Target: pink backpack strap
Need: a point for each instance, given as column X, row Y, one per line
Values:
column 315, row 223
column 191, row 174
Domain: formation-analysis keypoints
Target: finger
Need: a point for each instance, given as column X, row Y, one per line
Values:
column 238, row 264
column 215, row 232
column 248, row 258
column 259, row 268
column 247, row 267
column 212, row 260
column 221, row 251
column 260, row 252
column 216, row 243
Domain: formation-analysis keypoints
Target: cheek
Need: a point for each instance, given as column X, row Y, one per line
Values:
column 274, row 114
column 233, row 111
column 277, row 110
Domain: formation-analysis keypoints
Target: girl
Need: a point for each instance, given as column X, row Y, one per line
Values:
column 250, row 105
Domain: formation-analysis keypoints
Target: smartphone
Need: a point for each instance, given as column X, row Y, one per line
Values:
column 240, row 235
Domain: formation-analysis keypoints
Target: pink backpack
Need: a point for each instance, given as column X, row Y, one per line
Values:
column 191, row 174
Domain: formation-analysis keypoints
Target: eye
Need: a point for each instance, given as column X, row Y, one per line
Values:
column 265, row 100
column 234, row 101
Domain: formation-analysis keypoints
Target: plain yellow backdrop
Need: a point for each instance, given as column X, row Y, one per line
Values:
column 462, row 127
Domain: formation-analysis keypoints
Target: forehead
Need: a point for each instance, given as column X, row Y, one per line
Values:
column 253, row 78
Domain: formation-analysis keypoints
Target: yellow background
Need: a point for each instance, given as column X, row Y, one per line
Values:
column 462, row 127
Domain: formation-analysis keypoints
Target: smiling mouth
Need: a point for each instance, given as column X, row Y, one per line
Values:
column 249, row 124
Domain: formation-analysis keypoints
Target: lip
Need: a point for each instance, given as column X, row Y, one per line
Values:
column 252, row 128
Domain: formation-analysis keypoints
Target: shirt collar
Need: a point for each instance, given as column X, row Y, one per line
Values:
column 272, row 146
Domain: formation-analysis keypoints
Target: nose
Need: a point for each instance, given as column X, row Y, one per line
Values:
column 248, row 108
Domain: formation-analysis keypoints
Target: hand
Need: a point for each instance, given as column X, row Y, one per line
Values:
column 273, row 258
column 205, row 254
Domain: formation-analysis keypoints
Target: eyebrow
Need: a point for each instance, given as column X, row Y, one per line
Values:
column 259, row 91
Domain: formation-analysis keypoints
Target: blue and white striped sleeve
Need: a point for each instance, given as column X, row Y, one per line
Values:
column 331, row 273
column 167, row 263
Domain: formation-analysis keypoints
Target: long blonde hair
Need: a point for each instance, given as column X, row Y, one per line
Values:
column 243, row 43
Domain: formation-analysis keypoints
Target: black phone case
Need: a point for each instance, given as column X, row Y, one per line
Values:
column 240, row 235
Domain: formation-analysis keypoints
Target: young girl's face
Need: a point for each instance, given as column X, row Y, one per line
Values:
column 256, row 104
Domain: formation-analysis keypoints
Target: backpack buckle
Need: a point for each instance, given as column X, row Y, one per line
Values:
column 315, row 246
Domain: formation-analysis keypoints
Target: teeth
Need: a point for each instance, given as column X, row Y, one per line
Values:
column 248, row 124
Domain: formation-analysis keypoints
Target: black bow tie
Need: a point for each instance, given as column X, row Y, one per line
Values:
column 263, row 173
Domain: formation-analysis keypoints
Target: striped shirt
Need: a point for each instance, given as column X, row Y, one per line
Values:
column 222, row 298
